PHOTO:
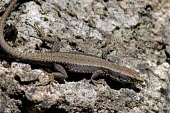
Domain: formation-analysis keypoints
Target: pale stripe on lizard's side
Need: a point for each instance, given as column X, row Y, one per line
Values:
column 70, row 61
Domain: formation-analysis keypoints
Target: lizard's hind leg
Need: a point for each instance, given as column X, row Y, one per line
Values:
column 40, row 32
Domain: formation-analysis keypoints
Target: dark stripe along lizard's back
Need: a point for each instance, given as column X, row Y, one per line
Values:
column 70, row 61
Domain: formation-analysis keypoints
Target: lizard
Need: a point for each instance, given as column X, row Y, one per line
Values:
column 69, row 61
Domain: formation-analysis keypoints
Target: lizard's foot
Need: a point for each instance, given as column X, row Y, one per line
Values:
column 95, row 75
column 60, row 74
column 54, row 77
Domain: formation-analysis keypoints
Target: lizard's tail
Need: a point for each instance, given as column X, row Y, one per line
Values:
column 3, row 43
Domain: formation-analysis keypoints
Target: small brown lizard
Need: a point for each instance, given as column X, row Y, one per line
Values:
column 74, row 62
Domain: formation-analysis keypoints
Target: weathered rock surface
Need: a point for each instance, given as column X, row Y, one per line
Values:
column 135, row 32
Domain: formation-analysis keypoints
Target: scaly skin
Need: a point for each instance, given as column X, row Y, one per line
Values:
column 75, row 62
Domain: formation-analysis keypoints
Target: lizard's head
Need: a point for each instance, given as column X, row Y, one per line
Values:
column 125, row 75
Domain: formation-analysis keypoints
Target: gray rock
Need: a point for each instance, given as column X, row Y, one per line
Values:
column 133, row 33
